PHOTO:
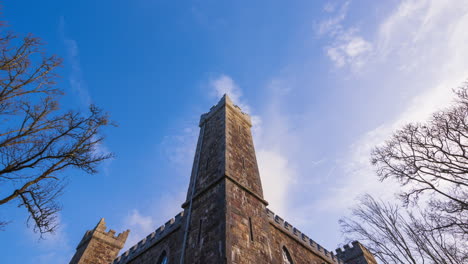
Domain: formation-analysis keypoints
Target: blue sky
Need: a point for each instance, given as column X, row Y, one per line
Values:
column 324, row 81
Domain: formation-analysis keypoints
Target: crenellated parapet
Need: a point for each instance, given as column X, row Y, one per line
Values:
column 99, row 245
column 225, row 101
column 356, row 253
column 153, row 238
column 302, row 238
column 109, row 237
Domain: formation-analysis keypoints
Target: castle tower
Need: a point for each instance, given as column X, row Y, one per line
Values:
column 357, row 254
column 225, row 219
column 98, row 246
column 225, row 209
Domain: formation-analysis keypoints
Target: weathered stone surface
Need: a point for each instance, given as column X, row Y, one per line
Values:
column 225, row 217
column 357, row 254
column 99, row 246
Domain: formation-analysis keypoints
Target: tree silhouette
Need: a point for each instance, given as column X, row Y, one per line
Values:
column 39, row 141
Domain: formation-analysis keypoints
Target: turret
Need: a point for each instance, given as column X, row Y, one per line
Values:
column 98, row 246
column 357, row 254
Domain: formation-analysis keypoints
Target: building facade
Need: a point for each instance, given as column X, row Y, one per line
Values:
column 225, row 218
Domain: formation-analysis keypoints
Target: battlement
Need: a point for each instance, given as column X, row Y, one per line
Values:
column 225, row 101
column 151, row 239
column 293, row 232
column 353, row 251
column 109, row 237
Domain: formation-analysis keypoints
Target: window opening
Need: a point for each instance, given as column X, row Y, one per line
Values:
column 286, row 256
column 199, row 231
column 251, row 229
column 163, row 258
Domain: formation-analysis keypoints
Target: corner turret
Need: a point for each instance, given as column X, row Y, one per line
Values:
column 357, row 254
column 98, row 246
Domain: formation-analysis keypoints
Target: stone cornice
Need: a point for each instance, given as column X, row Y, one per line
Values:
column 216, row 181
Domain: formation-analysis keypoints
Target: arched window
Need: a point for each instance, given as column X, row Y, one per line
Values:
column 286, row 256
column 163, row 258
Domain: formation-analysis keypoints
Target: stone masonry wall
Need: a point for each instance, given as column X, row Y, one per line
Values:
column 170, row 244
column 299, row 253
column 247, row 225
column 98, row 252
column 167, row 237
column 98, row 246
column 241, row 161
column 206, row 232
column 247, row 228
column 206, row 237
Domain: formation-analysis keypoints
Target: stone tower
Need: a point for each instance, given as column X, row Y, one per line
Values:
column 357, row 254
column 225, row 219
column 98, row 246
column 226, row 212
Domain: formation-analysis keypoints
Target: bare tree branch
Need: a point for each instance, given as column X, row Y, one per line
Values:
column 395, row 235
column 38, row 141
column 432, row 159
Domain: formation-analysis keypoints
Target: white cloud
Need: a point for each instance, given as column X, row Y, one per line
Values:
column 346, row 46
column 356, row 46
column 329, row 7
column 332, row 26
column 348, row 50
column 277, row 176
column 144, row 223
column 140, row 226
column 421, row 46
column 224, row 84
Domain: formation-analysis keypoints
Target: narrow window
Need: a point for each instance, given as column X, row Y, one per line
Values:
column 240, row 129
column 251, row 229
column 286, row 256
column 163, row 258
column 199, row 231
column 243, row 163
column 207, row 163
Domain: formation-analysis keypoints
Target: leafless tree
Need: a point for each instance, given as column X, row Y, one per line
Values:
column 39, row 141
column 395, row 235
column 431, row 160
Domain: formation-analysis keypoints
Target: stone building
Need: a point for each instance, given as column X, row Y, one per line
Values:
column 225, row 218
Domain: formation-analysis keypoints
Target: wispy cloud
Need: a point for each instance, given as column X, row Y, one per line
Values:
column 332, row 26
column 179, row 147
column 76, row 80
column 329, row 7
column 224, row 84
column 140, row 226
column 421, row 44
column 78, row 84
column 346, row 46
